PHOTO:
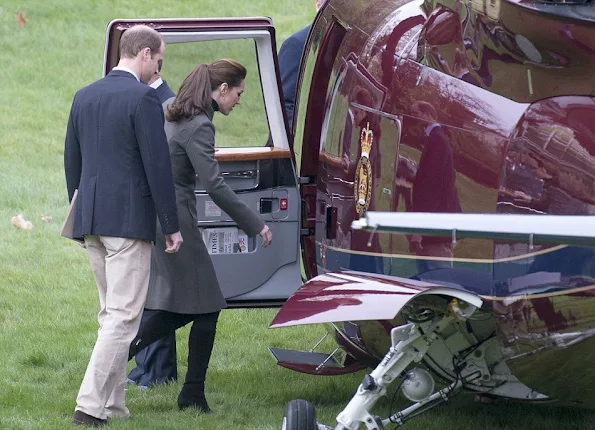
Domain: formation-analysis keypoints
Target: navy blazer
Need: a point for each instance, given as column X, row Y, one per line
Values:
column 434, row 187
column 164, row 92
column 116, row 154
column 289, row 57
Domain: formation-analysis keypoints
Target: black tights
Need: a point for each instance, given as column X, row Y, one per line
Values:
column 163, row 323
column 200, row 346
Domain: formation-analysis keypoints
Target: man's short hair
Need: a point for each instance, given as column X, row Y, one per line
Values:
column 425, row 108
column 137, row 38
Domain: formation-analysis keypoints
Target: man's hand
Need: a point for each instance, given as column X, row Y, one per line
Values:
column 267, row 236
column 173, row 242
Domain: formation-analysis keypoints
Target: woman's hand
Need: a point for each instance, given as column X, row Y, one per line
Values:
column 266, row 235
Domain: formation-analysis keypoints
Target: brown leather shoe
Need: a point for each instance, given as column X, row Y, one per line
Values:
column 82, row 419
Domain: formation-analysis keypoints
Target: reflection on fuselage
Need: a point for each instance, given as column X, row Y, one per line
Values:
column 467, row 115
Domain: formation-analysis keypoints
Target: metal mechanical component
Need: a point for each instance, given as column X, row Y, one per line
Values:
column 409, row 344
column 418, row 385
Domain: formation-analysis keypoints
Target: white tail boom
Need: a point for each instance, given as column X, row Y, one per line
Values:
column 567, row 229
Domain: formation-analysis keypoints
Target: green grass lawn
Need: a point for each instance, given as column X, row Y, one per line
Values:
column 48, row 300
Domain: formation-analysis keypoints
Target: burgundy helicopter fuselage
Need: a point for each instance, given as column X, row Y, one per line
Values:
column 451, row 106
column 482, row 106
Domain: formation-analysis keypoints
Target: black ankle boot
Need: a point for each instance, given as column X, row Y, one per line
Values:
column 193, row 397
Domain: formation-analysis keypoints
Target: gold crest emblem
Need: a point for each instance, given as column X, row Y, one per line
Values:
column 362, row 191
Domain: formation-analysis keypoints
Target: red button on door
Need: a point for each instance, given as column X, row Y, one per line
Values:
column 283, row 204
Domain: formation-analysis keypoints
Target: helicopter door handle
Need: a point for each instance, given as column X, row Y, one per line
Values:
column 242, row 174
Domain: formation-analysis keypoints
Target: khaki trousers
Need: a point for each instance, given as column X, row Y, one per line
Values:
column 121, row 268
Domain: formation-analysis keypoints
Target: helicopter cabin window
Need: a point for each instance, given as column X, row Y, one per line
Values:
column 247, row 124
column 315, row 81
column 407, row 44
column 332, row 127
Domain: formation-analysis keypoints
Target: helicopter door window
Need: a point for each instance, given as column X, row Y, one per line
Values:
column 247, row 125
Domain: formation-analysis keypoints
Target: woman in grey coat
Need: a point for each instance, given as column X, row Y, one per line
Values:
column 183, row 286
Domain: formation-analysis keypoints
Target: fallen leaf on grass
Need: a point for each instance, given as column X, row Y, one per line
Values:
column 46, row 218
column 21, row 19
column 19, row 222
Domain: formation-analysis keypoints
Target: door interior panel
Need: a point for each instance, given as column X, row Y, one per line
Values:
column 238, row 273
column 272, row 293
column 239, row 175
column 266, row 202
column 253, row 275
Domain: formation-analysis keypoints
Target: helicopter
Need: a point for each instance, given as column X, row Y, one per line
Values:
column 430, row 203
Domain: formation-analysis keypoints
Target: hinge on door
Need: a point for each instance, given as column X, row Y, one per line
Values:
column 307, row 231
column 306, row 180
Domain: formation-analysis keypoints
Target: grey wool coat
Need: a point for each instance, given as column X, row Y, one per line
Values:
column 186, row 282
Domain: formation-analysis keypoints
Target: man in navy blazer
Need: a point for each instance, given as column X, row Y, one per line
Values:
column 289, row 57
column 164, row 92
column 434, row 187
column 116, row 155
column 157, row 363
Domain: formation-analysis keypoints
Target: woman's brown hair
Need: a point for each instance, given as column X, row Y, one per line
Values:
column 194, row 96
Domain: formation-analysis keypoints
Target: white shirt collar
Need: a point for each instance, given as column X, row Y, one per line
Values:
column 156, row 84
column 126, row 69
column 431, row 127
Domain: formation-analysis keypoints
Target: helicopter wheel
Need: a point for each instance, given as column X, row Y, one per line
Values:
column 299, row 415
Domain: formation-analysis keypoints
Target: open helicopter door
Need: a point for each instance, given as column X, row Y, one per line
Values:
column 262, row 174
